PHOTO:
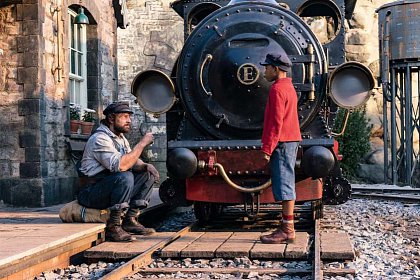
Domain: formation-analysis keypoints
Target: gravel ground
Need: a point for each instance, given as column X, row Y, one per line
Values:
column 386, row 238
column 385, row 235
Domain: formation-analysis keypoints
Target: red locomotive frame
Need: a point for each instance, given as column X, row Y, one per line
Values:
column 243, row 165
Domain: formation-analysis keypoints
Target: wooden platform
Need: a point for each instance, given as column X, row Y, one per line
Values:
column 125, row 250
column 35, row 241
column 334, row 246
column 205, row 245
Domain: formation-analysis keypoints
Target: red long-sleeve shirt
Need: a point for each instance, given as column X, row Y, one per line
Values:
column 281, row 122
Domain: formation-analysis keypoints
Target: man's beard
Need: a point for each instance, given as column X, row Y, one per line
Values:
column 121, row 129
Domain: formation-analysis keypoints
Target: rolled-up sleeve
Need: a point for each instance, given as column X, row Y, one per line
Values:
column 104, row 152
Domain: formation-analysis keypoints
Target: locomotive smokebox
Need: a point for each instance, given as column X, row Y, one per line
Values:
column 181, row 163
column 317, row 162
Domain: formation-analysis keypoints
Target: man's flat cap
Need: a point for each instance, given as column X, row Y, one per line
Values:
column 118, row 107
column 279, row 59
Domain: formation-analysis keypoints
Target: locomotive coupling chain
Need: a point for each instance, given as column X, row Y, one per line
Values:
column 237, row 187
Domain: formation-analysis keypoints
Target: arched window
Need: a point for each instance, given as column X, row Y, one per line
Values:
column 77, row 62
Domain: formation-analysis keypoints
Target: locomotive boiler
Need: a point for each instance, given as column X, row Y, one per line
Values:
column 215, row 97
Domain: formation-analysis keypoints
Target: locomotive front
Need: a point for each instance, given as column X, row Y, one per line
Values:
column 214, row 130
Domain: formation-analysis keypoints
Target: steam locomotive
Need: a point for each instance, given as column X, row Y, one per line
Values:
column 215, row 97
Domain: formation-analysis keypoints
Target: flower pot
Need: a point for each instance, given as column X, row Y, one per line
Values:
column 87, row 128
column 74, row 126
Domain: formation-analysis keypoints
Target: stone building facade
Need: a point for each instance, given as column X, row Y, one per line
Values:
column 154, row 39
column 35, row 81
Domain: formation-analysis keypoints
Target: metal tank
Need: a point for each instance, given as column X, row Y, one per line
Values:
column 401, row 20
column 399, row 47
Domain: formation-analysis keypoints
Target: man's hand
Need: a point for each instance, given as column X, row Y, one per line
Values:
column 130, row 159
column 265, row 157
column 150, row 168
column 147, row 139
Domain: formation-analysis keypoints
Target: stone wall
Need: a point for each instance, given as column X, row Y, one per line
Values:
column 153, row 40
column 10, row 94
column 20, row 103
column 35, row 164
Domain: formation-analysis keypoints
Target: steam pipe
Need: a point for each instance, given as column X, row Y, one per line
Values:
column 240, row 188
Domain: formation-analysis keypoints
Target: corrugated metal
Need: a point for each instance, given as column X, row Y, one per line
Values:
column 404, row 31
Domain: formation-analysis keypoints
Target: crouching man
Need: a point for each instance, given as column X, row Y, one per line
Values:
column 118, row 179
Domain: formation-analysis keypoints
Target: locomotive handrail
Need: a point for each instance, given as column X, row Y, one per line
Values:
column 240, row 188
column 209, row 57
column 346, row 118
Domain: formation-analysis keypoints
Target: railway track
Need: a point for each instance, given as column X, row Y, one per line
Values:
column 141, row 263
column 402, row 194
column 151, row 261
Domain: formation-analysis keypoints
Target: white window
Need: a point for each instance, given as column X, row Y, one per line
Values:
column 77, row 65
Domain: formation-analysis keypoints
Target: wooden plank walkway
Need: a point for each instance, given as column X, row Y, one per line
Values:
column 336, row 245
column 298, row 249
column 267, row 251
column 174, row 249
column 125, row 250
column 238, row 245
column 35, row 240
column 206, row 245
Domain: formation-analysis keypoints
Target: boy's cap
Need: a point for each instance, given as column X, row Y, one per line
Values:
column 280, row 60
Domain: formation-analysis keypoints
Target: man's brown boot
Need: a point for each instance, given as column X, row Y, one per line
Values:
column 132, row 225
column 285, row 234
column 114, row 231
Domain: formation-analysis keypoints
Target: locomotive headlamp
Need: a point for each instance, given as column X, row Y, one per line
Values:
column 181, row 163
column 154, row 91
column 317, row 162
column 350, row 85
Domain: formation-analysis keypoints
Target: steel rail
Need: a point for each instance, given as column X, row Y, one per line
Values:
column 386, row 190
column 227, row 270
column 145, row 258
column 245, row 271
column 393, row 197
column 317, row 273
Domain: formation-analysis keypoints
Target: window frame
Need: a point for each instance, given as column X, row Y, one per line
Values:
column 78, row 36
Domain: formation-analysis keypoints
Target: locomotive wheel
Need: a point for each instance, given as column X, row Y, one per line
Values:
column 205, row 211
column 336, row 191
column 172, row 192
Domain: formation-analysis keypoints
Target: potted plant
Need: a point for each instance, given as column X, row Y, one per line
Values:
column 87, row 121
column 74, row 118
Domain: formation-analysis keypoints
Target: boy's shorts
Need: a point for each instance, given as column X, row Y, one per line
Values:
column 282, row 166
